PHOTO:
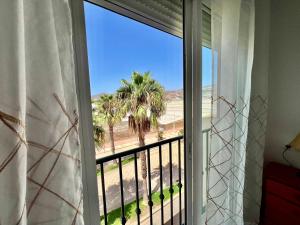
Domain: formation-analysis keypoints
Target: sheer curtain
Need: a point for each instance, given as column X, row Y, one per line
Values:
column 232, row 49
column 40, row 172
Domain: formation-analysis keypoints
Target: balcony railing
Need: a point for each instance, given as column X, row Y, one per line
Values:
column 174, row 147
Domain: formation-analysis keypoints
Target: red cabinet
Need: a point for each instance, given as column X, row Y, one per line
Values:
column 281, row 195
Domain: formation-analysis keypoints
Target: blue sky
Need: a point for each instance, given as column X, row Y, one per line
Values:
column 117, row 46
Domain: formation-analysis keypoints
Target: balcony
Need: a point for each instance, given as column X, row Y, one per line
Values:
column 121, row 201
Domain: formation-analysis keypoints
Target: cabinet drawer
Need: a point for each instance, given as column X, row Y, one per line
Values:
column 280, row 212
column 283, row 191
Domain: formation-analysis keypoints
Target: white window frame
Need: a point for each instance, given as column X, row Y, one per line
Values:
column 91, row 212
column 193, row 102
column 193, row 110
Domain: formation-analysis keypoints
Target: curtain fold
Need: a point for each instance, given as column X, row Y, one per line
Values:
column 40, row 169
column 232, row 49
column 257, row 116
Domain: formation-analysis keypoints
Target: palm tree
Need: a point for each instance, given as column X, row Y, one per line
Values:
column 98, row 130
column 144, row 99
column 99, row 136
column 107, row 111
column 99, row 133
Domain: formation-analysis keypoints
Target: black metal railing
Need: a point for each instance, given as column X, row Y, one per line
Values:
column 176, row 141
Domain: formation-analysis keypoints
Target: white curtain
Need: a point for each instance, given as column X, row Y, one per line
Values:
column 232, row 49
column 40, row 173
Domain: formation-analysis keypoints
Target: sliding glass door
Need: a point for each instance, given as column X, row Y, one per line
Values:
column 135, row 52
column 198, row 93
column 193, row 117
column 146, row 63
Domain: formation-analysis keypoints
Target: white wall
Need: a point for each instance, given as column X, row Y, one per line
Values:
column 284, row 79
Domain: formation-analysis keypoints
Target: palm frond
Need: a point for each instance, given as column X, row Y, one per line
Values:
column 99, row 135
column 107, row 109
column 144, row 98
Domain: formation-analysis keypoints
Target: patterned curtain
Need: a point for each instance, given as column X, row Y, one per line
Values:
column 232, row 49
column 40, row 173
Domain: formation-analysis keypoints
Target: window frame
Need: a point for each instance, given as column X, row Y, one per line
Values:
column 91, row 210
column 123, row 11
column 192, row 96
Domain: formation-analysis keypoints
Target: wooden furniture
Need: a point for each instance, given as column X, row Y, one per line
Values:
column 281, row 195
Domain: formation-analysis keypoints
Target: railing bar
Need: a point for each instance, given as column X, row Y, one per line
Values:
column 136, row 150
column 161, row 187
column 171, row 190
column 150, row 203
column 103, row 193
column 179, row 184
column 123, row 218
column 171, row 181
column 138, row 211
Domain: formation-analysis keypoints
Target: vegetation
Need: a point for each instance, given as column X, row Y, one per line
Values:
column 160, row 135
column 130, row 208
column 181, row 132
column 143, row 99
column 114, row 216
column 99, row 134
column 106, row 110
column 156, row 198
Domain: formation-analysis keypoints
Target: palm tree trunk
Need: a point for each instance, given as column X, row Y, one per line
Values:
column 112, row 141
column 143, row 166
column 159, row 134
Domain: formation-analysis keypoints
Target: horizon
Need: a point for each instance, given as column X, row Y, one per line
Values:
column 118, row 45
column 181, row 89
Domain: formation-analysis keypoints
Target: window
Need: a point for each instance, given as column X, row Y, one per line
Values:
column 113, row 55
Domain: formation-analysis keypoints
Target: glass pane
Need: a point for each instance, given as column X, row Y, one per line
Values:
column 207, row 86
column 136, row 80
